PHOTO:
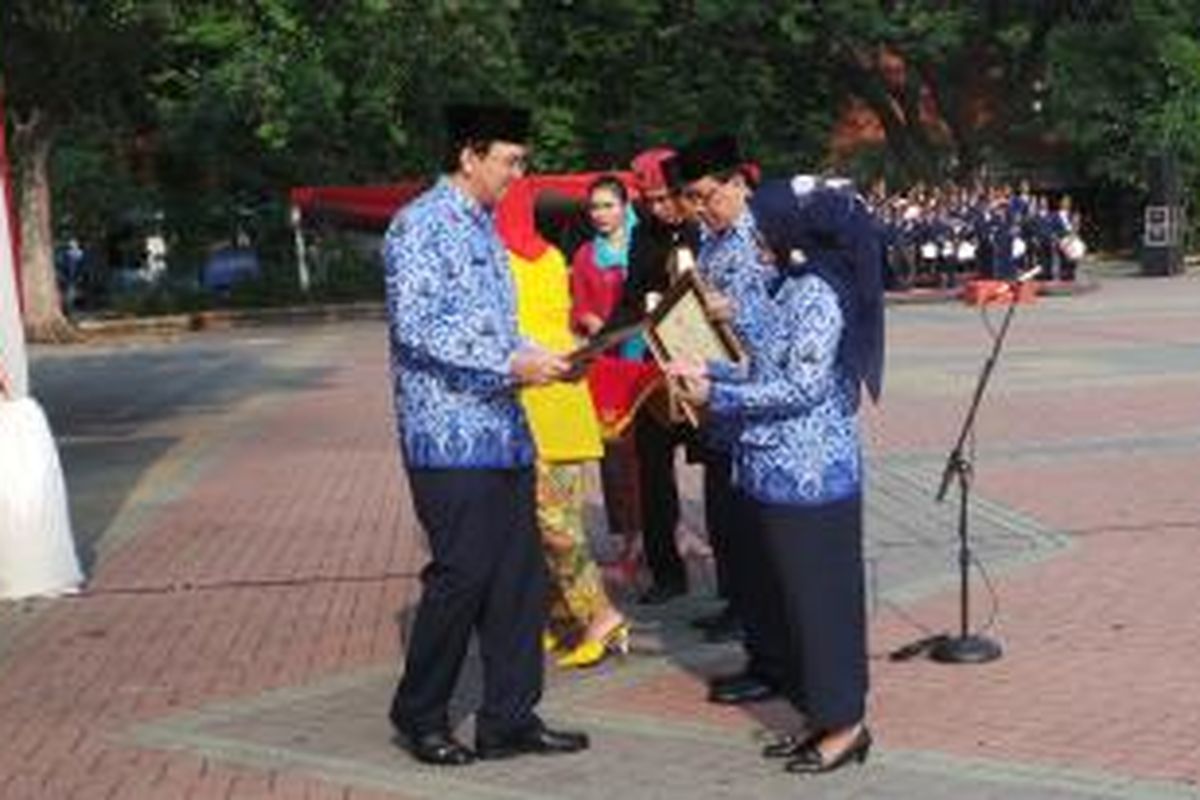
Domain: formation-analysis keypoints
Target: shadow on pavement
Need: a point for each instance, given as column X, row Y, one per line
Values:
column 100, row 475
column 118, row 411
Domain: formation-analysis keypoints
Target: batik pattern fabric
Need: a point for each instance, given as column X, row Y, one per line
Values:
column 453, row 331
column 798, row 439
column 576, row 589
column 730, row 263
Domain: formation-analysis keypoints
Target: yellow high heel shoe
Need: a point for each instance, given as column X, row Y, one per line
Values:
column 591, row 652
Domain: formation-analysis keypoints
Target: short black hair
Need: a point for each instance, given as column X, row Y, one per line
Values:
column 452, row 158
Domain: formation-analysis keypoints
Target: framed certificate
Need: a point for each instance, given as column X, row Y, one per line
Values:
column 682, row 327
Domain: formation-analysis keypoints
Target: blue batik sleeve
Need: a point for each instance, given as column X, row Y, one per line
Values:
column 805, row 376
column 727, row 371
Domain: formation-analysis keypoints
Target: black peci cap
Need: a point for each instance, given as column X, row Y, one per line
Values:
column 708, row 156
column 487, row 123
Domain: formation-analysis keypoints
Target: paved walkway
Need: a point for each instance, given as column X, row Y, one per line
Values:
column 255, row 561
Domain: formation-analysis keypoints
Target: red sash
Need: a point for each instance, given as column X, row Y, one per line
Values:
column 619, row 387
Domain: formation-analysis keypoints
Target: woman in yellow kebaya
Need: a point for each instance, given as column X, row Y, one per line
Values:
column 582, row 618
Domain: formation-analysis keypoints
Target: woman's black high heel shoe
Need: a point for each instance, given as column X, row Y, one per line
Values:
column 789, row 745
column 809, row 760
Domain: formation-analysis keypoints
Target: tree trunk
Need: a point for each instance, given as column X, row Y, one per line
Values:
column 44, row 318
column 898, row 108
column 902, row 127
column 949, row 95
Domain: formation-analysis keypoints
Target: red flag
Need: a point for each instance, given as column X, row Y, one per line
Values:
column 619, row 387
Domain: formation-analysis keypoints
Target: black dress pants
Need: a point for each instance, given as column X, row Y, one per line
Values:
column 755, row 593
column 656, row 445
column 817, row 554
column 720, row 518
column 487, row 576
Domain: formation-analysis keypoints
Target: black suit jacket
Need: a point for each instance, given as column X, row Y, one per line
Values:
column 649, row 248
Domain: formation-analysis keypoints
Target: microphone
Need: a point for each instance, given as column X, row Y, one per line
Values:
column 1028, row 274
column 1006, row 291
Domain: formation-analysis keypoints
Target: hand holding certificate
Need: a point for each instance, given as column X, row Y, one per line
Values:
column 605, row 340
column 682, row 328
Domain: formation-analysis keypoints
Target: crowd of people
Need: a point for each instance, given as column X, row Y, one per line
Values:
column 495, row 409
column 937, row 236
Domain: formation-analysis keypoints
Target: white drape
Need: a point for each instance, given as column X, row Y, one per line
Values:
column 37, row 549
column 12, row 336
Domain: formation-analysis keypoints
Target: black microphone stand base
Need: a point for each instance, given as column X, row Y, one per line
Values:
column 965, row 649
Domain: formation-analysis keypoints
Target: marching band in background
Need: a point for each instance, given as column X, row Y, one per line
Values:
column 935, row 236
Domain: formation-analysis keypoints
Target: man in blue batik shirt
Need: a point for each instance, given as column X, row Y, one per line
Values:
column 457, row 362
column 730, row 264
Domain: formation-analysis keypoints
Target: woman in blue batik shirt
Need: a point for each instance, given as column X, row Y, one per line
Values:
column 798, row 454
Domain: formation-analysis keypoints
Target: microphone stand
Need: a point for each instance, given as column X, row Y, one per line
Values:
column 967, row 647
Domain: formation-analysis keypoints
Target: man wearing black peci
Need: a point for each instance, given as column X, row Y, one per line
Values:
column 718, row 181
column 458, row 363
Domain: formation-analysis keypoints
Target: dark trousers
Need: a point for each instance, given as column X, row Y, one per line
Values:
column 656, row 445
column 755, row 593
column 720, row 517
column 619, row 482
column 817, row 554
column 487, row 576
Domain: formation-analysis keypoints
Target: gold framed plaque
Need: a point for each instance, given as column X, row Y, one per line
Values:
column 682, row 328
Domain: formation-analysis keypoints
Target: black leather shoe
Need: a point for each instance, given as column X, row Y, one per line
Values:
column 718, row 681
column 660, row 593
column 729, row 629
column 538, row 739
column 738, row 689
column 437, row 747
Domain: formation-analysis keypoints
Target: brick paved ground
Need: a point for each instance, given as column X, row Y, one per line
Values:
column 256, row 562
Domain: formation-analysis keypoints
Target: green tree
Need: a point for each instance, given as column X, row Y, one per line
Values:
column 212, row 109
column 1125, row 85
column 65, row 63
column 257, row 98
column 242, row 98
column 953, row 84
column 614, row 77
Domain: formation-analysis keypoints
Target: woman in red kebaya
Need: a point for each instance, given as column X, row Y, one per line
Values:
column 598, row 271
column 599, row 266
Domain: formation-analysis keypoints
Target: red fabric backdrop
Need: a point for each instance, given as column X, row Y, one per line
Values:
column 372, row 207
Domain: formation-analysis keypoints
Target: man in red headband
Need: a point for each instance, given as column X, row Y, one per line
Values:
column 663, row 230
